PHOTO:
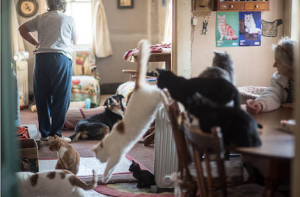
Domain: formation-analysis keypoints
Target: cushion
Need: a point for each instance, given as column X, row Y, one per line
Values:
column 250, row 92
column 85, row 87
column 75, row 114
column 84, row 63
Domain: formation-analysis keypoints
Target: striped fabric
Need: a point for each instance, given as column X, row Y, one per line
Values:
column 290, row 91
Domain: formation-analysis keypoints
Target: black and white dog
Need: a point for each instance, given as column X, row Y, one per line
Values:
column 97, row 126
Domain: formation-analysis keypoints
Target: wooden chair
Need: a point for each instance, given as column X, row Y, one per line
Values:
column 186, row 180
column 202, row 146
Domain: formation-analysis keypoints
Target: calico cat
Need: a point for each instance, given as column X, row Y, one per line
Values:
column 68, row 157
column 222, row 68
column 250, row 24
column 144, row 177
column 239, row 129
column 53, row 183
column 226, row 30
column 140, row 113
column 218, row 90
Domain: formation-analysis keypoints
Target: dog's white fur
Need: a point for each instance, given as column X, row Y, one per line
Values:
column 140, row 113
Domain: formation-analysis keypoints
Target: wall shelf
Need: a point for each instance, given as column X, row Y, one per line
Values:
column 240, row 6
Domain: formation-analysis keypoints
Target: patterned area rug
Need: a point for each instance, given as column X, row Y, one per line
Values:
column 129, row 190
column 87, row 164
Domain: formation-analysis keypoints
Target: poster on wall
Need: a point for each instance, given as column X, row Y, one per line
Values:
column 227, row 29
column 250, row 28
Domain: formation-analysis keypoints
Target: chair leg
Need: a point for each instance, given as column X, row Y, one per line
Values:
column 149, row 138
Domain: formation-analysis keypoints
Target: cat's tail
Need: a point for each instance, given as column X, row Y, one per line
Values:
column 143, row 57
column 79, row 183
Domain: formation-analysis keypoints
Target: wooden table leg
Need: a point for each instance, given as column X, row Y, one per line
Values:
column 271, row 179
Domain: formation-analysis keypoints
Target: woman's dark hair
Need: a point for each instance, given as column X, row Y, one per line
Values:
column 56, row 5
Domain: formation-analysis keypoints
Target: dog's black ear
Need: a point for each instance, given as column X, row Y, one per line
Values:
column 106, row 102
column 120, row 96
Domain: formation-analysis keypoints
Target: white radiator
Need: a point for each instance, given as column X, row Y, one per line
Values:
column 165, row 159
column 22, row 77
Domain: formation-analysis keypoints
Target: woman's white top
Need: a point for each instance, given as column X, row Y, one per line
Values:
column 55, row 32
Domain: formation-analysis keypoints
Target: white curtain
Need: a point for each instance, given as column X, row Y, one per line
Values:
column 17, row 40
column 101, row 38
column 168, row 24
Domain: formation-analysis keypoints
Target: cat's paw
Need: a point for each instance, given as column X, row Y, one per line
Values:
column 105, row 179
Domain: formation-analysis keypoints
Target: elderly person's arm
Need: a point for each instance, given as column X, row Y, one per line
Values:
column 26, row 34
column 269, row 100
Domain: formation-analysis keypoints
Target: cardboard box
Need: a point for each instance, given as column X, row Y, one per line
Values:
column 28, row 149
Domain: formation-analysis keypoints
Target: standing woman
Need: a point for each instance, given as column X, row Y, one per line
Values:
column 53, row 66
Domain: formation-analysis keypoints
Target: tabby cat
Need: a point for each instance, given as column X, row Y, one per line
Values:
column 144, row 177
column 226, row 30
column 222, row 68
column 68, row 157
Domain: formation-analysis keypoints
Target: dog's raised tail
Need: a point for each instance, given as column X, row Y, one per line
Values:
column 143, row 57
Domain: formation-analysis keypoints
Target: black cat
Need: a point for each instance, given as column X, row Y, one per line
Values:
column 144, row 177
column 239, row 129
column 217, row 89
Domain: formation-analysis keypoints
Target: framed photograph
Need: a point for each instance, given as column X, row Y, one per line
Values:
column 125, row 4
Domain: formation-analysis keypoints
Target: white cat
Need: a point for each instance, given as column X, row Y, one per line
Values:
column 140, row 113
column 250, row 24
column 53, row 183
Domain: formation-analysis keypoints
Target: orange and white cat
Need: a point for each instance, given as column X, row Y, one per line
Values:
column 226, row 30
column 53, row 183
column 140, row 113
column 68, row 157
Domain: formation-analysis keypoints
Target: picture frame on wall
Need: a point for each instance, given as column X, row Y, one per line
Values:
column 125, row 4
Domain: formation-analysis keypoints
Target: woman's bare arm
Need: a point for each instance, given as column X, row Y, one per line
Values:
column 26, row 34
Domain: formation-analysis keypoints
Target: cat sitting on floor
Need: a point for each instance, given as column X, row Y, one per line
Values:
column 144, row 177
column 222, row 68
column 239, row 129
column 140, row 113
column 68, row 157
column 218, row 90
column 53, row 183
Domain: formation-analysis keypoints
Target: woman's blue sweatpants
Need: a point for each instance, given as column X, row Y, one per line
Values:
column 52, row 91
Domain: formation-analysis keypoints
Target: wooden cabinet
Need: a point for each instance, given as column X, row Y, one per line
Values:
column 236, row 6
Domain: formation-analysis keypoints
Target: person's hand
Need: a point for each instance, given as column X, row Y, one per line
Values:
column 253, row 106
column 36, row 46
column 287, row 105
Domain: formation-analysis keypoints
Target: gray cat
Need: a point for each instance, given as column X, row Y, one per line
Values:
column 222, row 68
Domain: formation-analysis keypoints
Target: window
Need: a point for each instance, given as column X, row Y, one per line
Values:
column 81, row 11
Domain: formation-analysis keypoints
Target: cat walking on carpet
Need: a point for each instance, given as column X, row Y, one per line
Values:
column 144, row 177
column 68, row 157
column 53, row 183
column 222, row 68
column 225, row 30
column 140, row 113
column 250, row 24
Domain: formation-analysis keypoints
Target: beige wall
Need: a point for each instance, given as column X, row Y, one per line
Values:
column 127, row 27
column 253, row 65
